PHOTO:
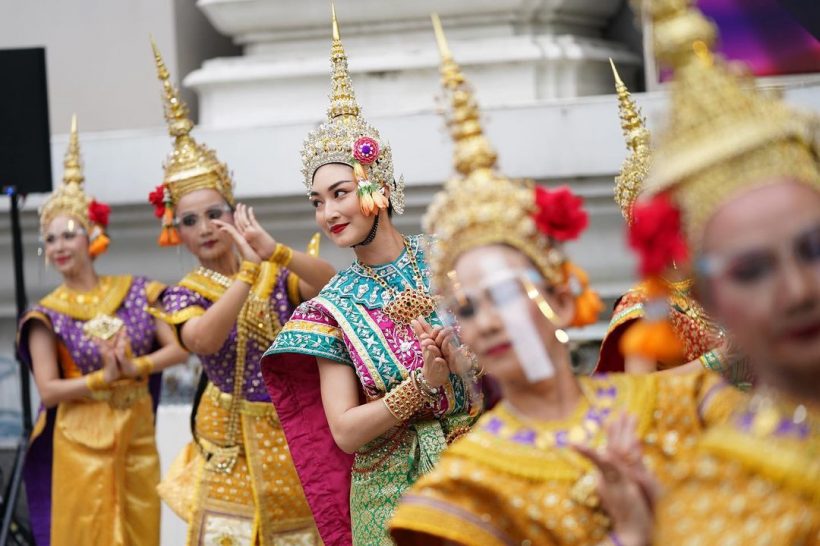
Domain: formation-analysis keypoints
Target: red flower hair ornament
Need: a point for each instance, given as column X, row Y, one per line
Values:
column 657, row 236
column 560, row 213
column 157, row 198
column 98, row 213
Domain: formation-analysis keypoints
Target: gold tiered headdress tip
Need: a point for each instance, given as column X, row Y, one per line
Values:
column 474, row 155
column 723, row 136
column 629, row 183
column 479, row 206
column 190, row 166
column 69, row 198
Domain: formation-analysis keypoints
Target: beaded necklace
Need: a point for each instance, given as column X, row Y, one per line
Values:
column 412, row 302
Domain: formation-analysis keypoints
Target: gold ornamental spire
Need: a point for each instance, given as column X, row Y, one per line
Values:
column 176, row 111
column 191, row 166
column 479, row 206
column 629, row 183
column 72, row 162
column 473, row 151
column 69, row 197
column 342, row 96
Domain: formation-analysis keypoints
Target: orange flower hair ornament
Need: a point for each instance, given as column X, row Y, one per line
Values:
column 98, row 214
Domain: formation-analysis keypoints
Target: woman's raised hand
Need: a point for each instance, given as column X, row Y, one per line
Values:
column 260, row 240
column 436, row 371
column 122, row 350
column 628, row 491
column 245, row 249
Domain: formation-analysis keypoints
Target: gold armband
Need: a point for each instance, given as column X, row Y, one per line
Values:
column 404, row 401
column 144, row 364
column 248, row 272
column 282, row 255
column 95, row 381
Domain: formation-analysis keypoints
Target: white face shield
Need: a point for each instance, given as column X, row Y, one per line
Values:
column 509, row 293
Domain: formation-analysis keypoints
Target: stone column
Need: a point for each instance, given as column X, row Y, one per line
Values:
column 516, row 52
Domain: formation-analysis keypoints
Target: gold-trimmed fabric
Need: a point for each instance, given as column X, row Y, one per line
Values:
column 260, row 502
column 511, row 480
column 97, row 450
column 745, row 487
column 104, row 298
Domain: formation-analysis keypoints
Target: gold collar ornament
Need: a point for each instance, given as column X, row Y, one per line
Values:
column 190, row 166
column 411, row 303
column 348, row 139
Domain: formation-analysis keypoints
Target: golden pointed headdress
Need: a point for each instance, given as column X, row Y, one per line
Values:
column 346, row 137
column 629, row 183
column 480, row 206
column 723, row 136
column 191, row 166
column 71, row 199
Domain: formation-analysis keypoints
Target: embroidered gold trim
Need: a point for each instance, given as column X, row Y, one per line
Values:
column 105, row 298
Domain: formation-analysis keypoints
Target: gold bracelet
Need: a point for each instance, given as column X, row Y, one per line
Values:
column 248, row 272
column 404, row 401
column 282, row 255
column 95, row 381
column 144, row 364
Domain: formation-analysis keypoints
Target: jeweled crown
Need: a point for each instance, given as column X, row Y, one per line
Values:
column 69, row 198
column 333, row 141
column 480, row 206
column 190, row 166
column 722, row 134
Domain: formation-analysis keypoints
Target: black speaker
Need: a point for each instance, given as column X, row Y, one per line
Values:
column 25, row 150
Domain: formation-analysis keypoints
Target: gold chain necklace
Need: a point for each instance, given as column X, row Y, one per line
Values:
column 412, row 302
column 222, row 458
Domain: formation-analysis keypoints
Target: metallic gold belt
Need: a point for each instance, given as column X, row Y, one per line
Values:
column 122, row 394
column 246, row 407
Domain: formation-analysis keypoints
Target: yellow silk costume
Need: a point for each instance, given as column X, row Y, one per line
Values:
column 515, row 481
column 102, row 454
column 255, row 497
column 754, row 481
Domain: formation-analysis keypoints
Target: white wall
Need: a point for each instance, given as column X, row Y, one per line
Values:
column 98, row 55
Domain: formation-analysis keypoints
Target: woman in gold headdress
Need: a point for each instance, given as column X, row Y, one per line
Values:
column 235, row 484
column 699, row 342
column 515, row 478
column 743, row 171
column 92, row 469
column 354, row 384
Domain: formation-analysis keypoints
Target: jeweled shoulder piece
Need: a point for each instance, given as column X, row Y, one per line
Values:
column 103, row 326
